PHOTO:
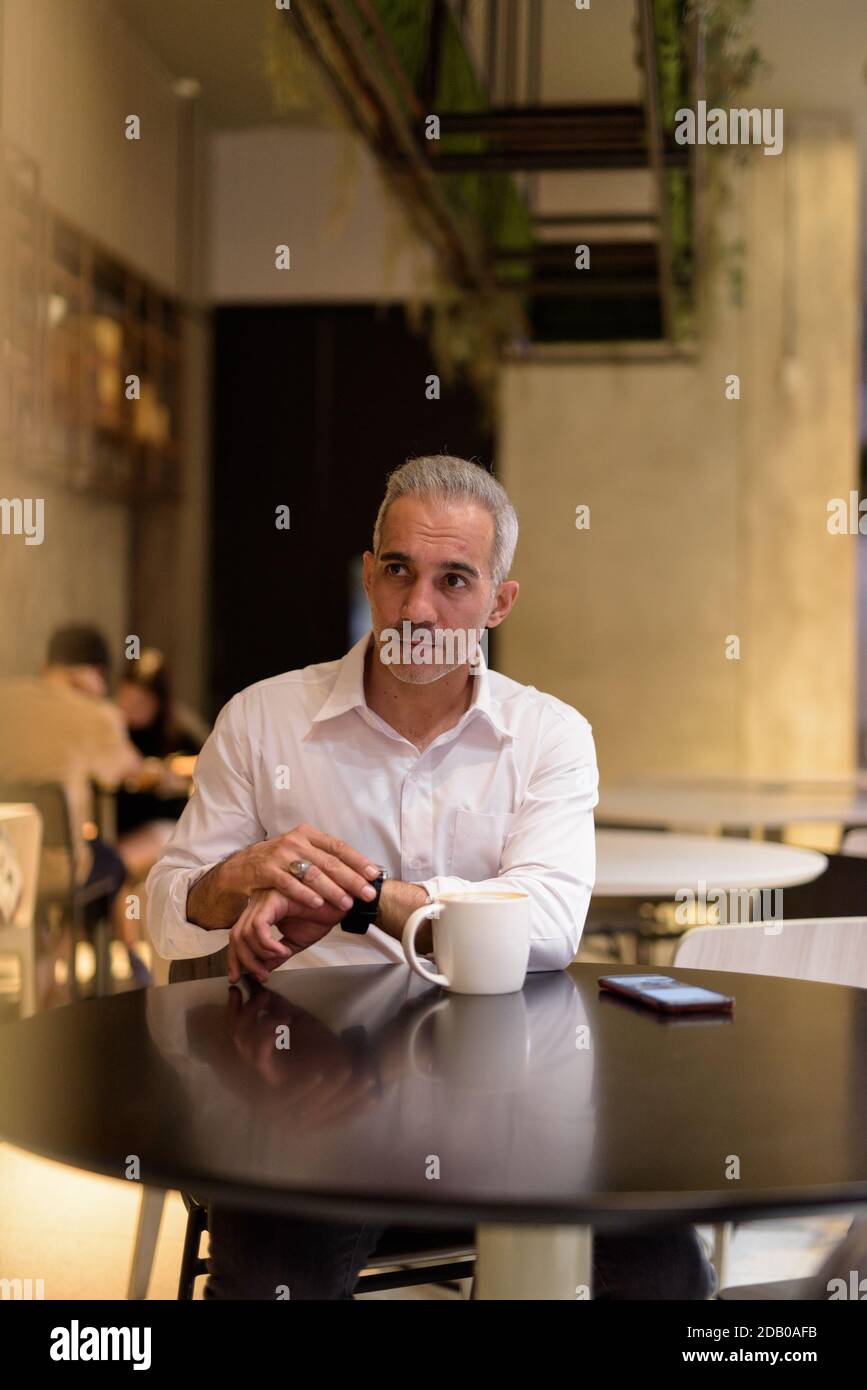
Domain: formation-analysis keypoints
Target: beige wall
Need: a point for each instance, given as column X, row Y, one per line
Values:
column 79, row 573
column 71, row 72
column 321, row 193
column 708, row 516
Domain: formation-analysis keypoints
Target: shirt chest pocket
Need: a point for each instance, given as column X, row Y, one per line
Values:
column 477, row 844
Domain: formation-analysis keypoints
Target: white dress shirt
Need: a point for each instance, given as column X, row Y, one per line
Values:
column 503, row 800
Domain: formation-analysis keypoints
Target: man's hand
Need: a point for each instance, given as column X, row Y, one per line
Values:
column 252, row 946
column 339, row 873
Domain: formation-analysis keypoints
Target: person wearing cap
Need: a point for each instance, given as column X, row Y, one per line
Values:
column 60, row 726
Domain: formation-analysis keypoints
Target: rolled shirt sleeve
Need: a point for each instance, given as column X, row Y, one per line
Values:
column 550, row 851
column 219, row 819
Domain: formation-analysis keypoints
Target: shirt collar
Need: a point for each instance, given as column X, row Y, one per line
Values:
column 347, row 692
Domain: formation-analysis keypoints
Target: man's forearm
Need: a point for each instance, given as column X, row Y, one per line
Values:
column 396, row 901
column 212, row 906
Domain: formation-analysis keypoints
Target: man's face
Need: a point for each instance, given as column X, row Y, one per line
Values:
column 433, row 573
column 139, row 706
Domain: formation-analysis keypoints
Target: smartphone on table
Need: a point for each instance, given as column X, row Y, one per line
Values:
column 667, row 995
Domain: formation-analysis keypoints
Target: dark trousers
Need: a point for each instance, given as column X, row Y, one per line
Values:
column 256, row 1255
column 107, row 867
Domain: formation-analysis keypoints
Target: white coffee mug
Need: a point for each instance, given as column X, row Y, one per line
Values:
column 481, row 941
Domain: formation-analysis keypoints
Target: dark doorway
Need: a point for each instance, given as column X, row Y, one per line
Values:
column 313, row 407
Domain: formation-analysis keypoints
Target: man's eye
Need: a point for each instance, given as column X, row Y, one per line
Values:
column 459, row 578
column 392, row 566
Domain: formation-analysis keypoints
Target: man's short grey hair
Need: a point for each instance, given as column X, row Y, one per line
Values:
column 456, row 480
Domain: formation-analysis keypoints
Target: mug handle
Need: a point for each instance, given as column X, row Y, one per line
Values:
column 422, row 914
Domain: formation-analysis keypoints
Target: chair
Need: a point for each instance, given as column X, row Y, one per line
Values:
column 153, row 1198
column 23, row 825
column 855, row 843
column 846, row 1264
column 402, row 1258
column 411, row 1249
column 830, row 950
column 65, row 897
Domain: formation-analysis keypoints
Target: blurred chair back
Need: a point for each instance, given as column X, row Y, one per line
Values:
column 855, row 842
column 22, row 826
column 60, row 899
column 847, row 1265
column 830, row 950
column 57, row 869
column 22, row 823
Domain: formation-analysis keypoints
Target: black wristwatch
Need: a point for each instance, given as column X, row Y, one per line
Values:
column 363, row 914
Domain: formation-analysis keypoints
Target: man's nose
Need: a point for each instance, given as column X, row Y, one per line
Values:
column 420, row 606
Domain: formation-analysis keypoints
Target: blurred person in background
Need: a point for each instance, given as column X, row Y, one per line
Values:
column 60, row 727
column 168, row 736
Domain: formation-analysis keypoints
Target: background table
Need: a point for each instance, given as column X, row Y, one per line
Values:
column 648, row 863
column 658, row 864
column 547, row 1112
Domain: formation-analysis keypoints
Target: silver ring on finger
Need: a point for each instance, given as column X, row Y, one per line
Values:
column 299, row 868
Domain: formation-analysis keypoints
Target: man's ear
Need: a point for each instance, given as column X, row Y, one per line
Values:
column 504, row 602
column 368, row 560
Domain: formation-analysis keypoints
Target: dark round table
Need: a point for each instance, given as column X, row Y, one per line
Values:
column 537, row 1117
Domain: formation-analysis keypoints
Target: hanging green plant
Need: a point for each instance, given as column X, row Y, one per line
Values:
column 466, row 326
column 732, row 63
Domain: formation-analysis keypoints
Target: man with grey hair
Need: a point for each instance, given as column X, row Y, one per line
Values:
column 332, row 801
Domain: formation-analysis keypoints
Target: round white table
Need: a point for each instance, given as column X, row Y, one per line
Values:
column 655, row 863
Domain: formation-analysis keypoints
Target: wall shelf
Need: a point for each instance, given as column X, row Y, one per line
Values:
column 76, row 322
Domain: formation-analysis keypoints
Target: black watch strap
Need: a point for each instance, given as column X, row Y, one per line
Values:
column 363, row 914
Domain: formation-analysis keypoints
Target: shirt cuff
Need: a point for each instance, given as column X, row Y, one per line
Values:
column 434, row 886
column 173, row 935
